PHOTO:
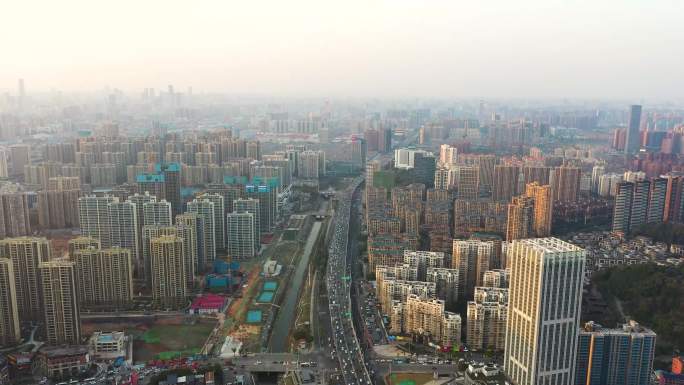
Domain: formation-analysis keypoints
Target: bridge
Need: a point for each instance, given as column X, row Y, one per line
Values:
column 280, row 362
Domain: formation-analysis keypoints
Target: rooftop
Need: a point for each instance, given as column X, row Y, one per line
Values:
column 64, row 350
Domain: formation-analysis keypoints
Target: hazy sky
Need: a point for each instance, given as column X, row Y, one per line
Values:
column 452, row 48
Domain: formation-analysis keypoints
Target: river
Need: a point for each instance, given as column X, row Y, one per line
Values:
column 287, row 311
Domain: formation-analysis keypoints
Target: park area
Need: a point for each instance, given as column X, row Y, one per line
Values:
column 408, row 379
column 163, row 338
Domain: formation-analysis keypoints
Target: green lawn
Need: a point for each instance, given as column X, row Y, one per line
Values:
column 408, row 379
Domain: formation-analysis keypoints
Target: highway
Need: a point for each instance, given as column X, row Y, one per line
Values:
column 338, row 280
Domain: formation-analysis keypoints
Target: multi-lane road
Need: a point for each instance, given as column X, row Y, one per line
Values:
column 347, row 350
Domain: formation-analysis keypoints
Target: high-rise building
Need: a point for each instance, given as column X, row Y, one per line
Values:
column 633, row 138
column 14, row 215
column 219, row 218
column 250, row 205
column 169, row 280
column 388, row 249
column 188, row 233
column 21, row 156
column 520, row 218
column 140, row 200
column 472, row 258
column 505, row 183
column 83, row 243
column 58, row 209
column 27, row 254
column 427, row 318
column 495, row 278
column 104, row 277
column 656, row 200
column 93, row 216
column 596, row 173
column 423, row 260
column 674, row 199
column 424, row 169
column 268, row 204
column 543, row 311
column 621, row 356
column 542, row 219
column 155, row 184
column 10, row 331
column 358, row 152
column 534, row 173
column 385, row 140
column 123, row 226
column 195, row 261
column 468, row 182
column 566, row 183
column 448, row 155
column 487, row 314
column 4, row 164
column 241, row 236
column 151, row 232
column 205, row 209
column 60, row 303
column 446, row 284
column 372, row 167
column 311, row 164
column 172, row 185
column 632, row 204
column 157, row 213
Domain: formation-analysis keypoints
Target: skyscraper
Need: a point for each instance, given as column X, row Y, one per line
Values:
column 358, row 152
column 249, row 206
column 219, row 218
column 155, row 184
column 487, row 314
column 60, row 304
column 14, row 215
column 656, row 200
column 94, row 218
column 543, row 208
column 241, row 236
column 169, row 280
column 468, row 182
column 621, row 356
column 27, row 254
column 633, row 139
column 10, row 332
column 104, row 277
column 543, row 311
column 205, row 209
column 566, row 183
column 505, row 183
column 157, row 213
column 195, row 262
column 123, row 228
column 472, row 258
column 385, row 140
column 172, row 185
column 520, row 218
column 623, row 207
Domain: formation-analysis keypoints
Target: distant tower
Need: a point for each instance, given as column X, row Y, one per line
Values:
column 633, row 138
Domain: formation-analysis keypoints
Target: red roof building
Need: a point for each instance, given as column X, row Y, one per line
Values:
column 208, row 304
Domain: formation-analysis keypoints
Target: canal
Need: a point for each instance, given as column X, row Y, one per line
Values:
column 287, row 311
